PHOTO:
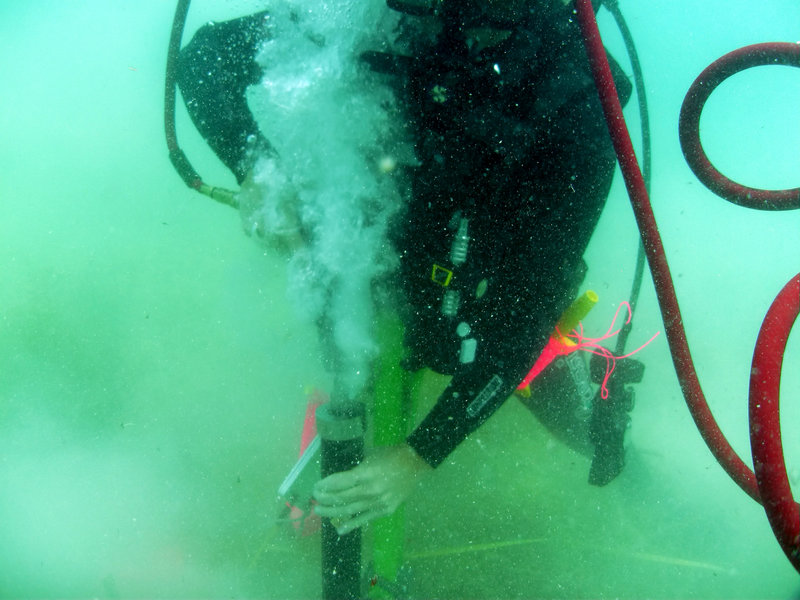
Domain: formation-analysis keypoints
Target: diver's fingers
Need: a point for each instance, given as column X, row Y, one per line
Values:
column 362, row 519
column 344, row 497
column 340, row 481
column 343, row 511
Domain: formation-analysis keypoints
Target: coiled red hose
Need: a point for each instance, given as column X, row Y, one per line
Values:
column 665, row 290
column 776, row 53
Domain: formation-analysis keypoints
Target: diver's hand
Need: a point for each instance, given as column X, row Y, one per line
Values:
column 269, row 205
column 375, row 488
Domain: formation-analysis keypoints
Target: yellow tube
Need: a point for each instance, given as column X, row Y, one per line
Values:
column 579, row 308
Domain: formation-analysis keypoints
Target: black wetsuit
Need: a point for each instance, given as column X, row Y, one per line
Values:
column 214, row 71
column 516, row 164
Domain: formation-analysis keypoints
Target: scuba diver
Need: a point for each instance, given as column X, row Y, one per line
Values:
column 514, row 165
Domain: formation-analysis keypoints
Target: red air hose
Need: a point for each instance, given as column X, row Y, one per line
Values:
column 689, row 125
column 665, row 290
column 765, row 422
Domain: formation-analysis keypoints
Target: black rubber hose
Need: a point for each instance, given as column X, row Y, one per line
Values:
column 176, row 155
column 644, row 117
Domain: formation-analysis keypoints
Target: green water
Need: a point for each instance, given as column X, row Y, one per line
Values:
column 153, row 374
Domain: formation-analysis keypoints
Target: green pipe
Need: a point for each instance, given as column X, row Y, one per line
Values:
column 391, row 416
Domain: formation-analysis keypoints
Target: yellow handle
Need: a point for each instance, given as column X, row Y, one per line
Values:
column 579, row 308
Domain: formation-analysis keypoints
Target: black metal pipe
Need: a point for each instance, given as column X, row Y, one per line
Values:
column 341, row 430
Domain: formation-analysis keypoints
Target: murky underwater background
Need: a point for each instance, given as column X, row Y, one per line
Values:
column 153, row 374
